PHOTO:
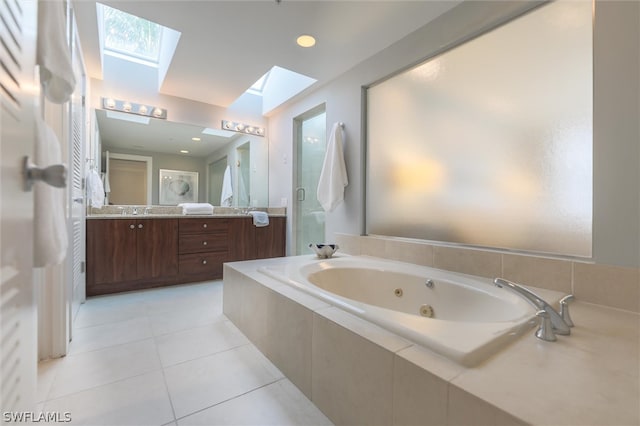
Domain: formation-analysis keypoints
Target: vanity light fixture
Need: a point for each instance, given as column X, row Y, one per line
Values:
column 133, row 108
column 184, row 151
column 235, row 126
column 195, row 139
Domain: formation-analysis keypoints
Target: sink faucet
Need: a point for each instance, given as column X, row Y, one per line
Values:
column 146, row 210
column 558, row 324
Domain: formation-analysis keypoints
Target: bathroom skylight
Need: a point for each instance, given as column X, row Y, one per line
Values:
column 132, row 46
column 130, row 35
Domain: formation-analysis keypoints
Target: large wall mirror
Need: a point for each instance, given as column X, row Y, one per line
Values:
column 490, row 143
column 136, row 152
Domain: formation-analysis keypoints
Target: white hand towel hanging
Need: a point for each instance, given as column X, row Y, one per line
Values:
column 53, row 53
column 333, row 176
column 95, row 189
column 50, row 225
column 227, row 189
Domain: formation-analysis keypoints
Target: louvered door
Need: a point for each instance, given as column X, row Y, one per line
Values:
column 18, row 354
column 77, row 116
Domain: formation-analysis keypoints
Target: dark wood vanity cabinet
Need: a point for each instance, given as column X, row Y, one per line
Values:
column 127, row 254
column 131, row 254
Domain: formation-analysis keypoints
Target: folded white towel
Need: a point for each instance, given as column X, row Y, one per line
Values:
column 196, row 208
column 260, row 219
column 227, row 190
column 95, row 189
column 50, row 224
column 333, row 176
column 53, row 52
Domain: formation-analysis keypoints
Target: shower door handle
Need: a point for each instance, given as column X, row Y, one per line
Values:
column 301, row 194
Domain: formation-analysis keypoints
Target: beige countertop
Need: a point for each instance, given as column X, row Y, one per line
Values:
column 171, row 216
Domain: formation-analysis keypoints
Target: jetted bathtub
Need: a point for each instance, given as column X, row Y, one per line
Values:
column 462, row 317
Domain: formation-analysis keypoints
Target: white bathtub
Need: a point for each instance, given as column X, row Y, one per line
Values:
column 470, row 319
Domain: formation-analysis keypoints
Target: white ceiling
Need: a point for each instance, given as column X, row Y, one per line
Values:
column 227, row 45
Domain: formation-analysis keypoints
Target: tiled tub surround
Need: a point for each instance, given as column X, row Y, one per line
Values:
column 359, row 373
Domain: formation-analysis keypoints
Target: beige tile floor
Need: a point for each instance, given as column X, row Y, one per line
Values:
column 167, row 357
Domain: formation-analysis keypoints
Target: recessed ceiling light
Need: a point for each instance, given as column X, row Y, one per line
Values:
column 195, row 139
column 306, row 40
column 184, row 151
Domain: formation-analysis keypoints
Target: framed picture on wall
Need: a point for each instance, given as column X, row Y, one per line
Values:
column 177, row 187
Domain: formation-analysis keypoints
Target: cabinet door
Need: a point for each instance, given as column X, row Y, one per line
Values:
column 111, row 250
column 242, row 242
column 157, row 248
column 270, row 240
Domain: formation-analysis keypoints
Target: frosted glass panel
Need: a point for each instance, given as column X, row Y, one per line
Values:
column 490, row 143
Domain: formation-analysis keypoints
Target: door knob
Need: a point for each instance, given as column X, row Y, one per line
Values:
column 139, row 226
column 55, row 175
column 132, row 226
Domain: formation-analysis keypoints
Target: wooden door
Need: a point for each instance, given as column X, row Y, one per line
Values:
column 157, row 248
column 112, row 247
column 270, row 240
column 242, row 241
column 18, row 328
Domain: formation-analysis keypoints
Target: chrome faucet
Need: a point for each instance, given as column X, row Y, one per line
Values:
column 558, row 323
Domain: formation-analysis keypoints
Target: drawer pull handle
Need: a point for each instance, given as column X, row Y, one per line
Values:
column 132, row 226
column 204, row 262
column 204, row 225
column 140, row 226
column 204, row 243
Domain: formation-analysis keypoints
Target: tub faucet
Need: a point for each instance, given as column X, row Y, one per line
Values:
column 557, row 322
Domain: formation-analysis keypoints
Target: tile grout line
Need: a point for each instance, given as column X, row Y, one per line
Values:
column 166, row 385
column 232, row 398
column 100, row 385
column 109, row 347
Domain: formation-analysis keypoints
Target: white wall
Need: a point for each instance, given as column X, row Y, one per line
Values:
column 616, row 111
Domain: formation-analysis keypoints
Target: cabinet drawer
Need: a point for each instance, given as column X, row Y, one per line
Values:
column 209, row 264
column 205, row 242
column 198, row 225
